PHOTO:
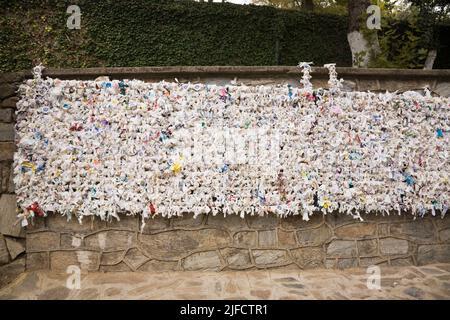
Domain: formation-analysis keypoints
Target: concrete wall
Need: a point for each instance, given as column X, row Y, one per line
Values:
column 213, row 242
column 355, row 79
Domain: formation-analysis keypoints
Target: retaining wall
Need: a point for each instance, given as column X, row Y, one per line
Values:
column 218, row 243
column 215, row 243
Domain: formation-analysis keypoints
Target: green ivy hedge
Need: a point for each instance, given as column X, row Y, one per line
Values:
column 149, row 32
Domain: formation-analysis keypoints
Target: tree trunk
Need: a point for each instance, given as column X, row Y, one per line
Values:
column 362, row 49
column 307, row 5
column 430, row 59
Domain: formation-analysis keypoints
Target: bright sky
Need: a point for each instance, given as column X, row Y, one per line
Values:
column 236, row 1
column 240, row 1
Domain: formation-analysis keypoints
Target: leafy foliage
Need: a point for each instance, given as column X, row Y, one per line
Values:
column 147, row 32
column 404, row 43
column 170, row 32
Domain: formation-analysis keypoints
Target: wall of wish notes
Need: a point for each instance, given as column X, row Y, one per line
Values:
column 167, row 148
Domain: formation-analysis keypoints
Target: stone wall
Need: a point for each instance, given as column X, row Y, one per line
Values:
column 232, row 243
column 213, row 242
column 12, row 237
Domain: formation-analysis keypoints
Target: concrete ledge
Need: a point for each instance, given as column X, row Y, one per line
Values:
column 193, row 72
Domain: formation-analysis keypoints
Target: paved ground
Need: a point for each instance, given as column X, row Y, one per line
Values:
column 430, row 282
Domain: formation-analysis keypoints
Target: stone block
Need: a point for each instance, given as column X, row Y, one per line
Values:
column 286, row 239
column 135, row 258
column 208, row 260
column 444, row 235
column 185, row 221
column 157, row 266
column 392, row 246
column 245, row 238
column 111, row 240
column 5, row 172
column 347, row 263
column 383, row 229
column 330, row 263
column 269, row 258
column 356, row 230
column 6, row 132
column 15, row 246
column 236, row 258
column 11, row 77
column 231, row 222
column 366, row 262
column 336, row 219
column 4, row 255
column 442, row 223
column 267, row 238
column 151, row 225
column 341, row 248
column 393, row 216
column 7, row 90
column 85, row 260
column 10, row 187
column 434, row 253
column 58, row 222
column 314, row 237
column 176, row 244
column 42, row 241
column 268, row 221
column 10, row 102
column 36, row 224
column 443, row 89
column 7, row 152
column 37, row 261
column 120, row 267
column 420, row 230
column 11, row 271
column 130, row 222
column 367, row 247
column 402, row 262
column 6, row 115
column 312, row 257
column 341, row 263
column 8, row 216
column 112, row 258
column 297, row 222
column 71, row 241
